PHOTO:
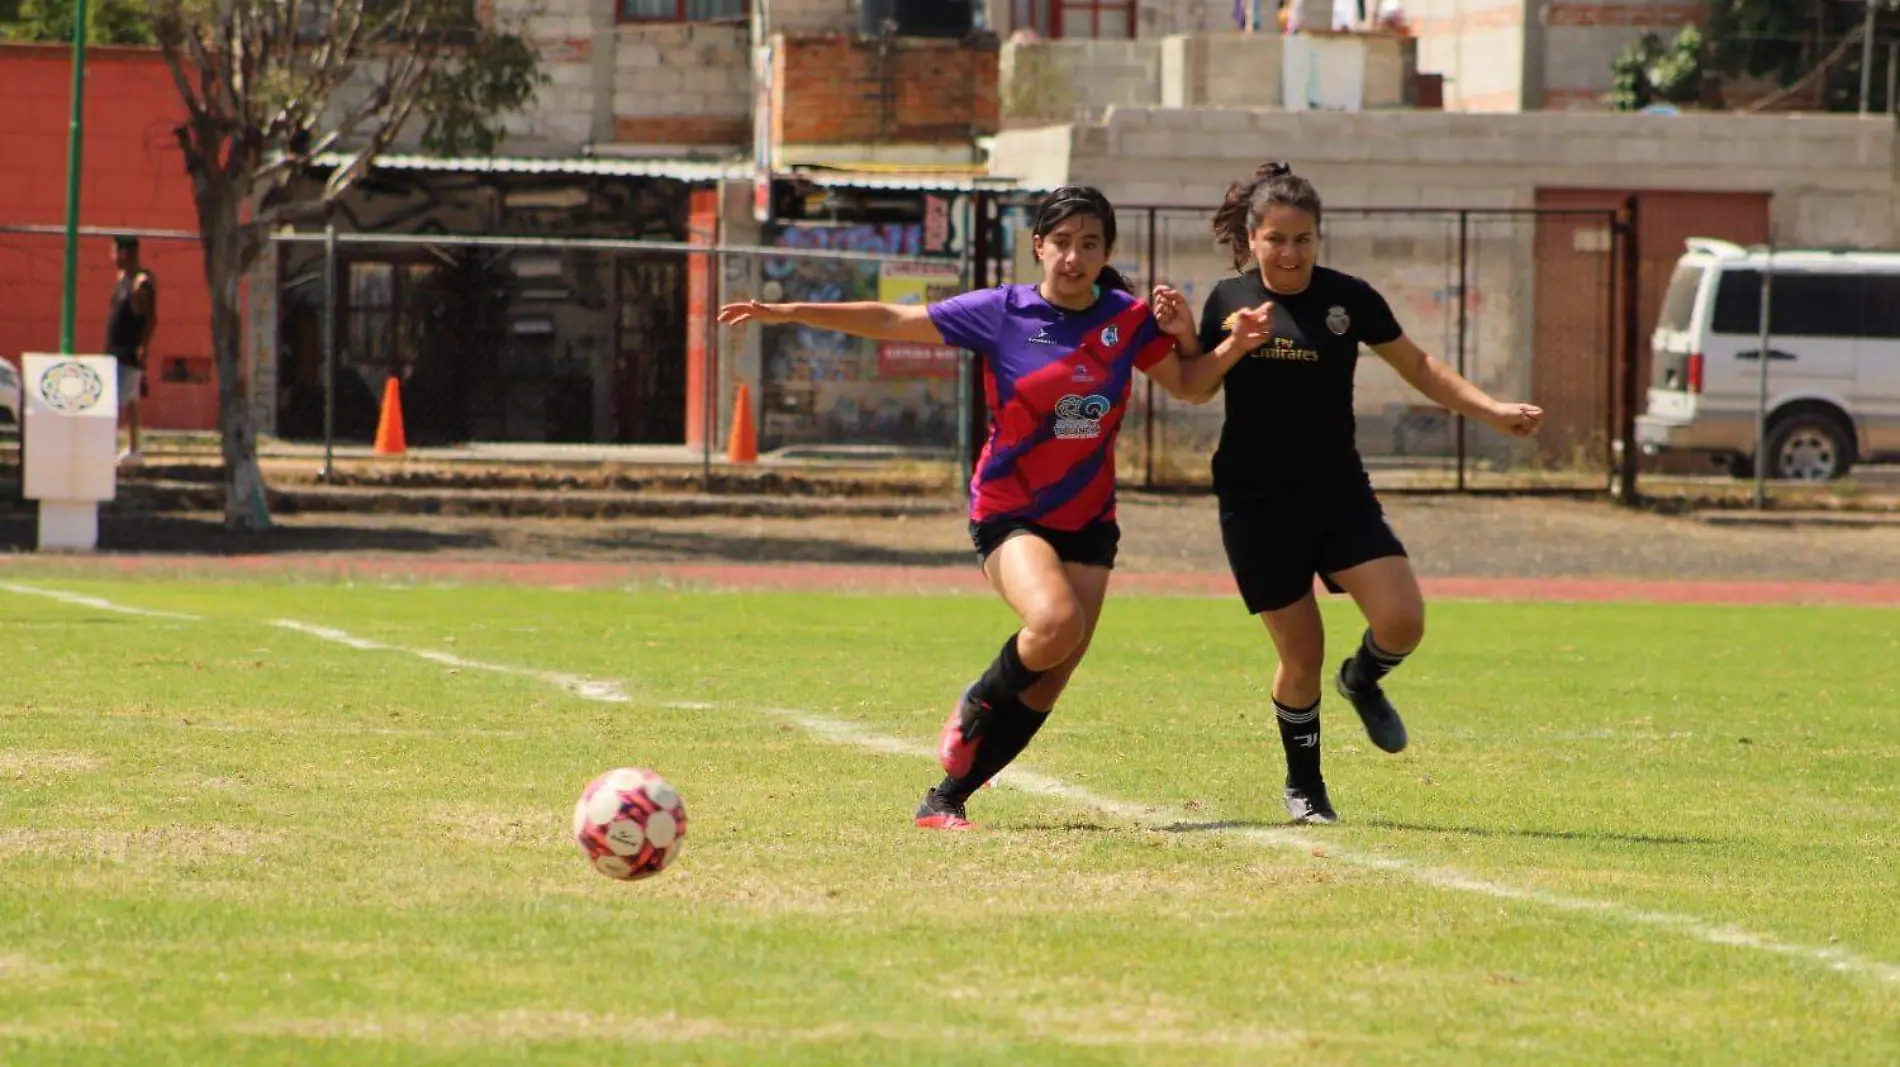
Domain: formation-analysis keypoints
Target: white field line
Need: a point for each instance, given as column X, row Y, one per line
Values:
column 81, row 600
column 1292, row 840
column 1160, row 818
column 585, row 688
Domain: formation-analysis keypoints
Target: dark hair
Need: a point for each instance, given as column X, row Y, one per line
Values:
column 126, row 241
column 1072, row 200
column 1246, row 205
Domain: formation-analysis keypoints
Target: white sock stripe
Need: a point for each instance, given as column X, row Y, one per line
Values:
column 1297, row 718
column 1384, row 658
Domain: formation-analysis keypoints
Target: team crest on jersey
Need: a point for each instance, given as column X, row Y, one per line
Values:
column 1338, row 321
column 1110, row 336
column 1080, row 416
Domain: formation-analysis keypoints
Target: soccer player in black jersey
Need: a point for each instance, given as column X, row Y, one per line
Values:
column 1295, row 500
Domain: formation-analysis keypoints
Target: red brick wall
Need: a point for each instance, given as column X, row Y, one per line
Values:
column 1646, row 16
column 839, row 90
column 683, row 129
column 133, row 177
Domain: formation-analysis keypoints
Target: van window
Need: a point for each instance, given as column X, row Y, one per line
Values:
column 1883, row 306
column 1806, row 304
column 1678, row 306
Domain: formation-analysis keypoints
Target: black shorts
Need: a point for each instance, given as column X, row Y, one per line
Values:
column 1277, row 546
column 1092, row 546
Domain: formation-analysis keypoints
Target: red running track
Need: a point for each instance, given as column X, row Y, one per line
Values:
column 882, row 579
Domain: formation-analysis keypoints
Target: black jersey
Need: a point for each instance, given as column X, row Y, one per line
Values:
column 125, row 328
column 1289, row 402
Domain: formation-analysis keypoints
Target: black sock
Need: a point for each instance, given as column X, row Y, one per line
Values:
column 1011, row 726
column 1005, row 678
column 1299, row 734
column 1371, row 664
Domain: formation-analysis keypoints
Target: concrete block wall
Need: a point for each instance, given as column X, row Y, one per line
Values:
column 686, row 85
column 1399, row 157
column 1478, row 45
column 1241, row 70
column 561, row 117
column 1582, row 40
column 1833, row 180
column 802, row 17
column 1047, row 81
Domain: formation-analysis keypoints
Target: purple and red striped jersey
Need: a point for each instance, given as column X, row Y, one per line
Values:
column 1057, row 384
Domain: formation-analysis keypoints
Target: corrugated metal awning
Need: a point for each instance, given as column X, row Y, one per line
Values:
column 683, row 170
column 941, row 180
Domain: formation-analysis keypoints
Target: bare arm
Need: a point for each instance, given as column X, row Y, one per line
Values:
column 1191, row 374
column 879, row 322
column 1196, row 378
column 1447, row 388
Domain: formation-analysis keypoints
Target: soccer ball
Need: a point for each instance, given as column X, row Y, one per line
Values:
column 630, row 823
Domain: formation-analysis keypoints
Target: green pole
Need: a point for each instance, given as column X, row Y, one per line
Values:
column 74, row 142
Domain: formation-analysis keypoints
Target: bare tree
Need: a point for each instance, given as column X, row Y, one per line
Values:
column 270, row 84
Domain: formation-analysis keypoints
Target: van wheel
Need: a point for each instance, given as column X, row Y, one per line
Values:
column 1809, row 448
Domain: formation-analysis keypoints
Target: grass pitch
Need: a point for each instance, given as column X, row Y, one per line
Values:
column 1623, row 834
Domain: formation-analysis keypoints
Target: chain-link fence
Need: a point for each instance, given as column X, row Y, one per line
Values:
column 611, row 342
column 1521, row 302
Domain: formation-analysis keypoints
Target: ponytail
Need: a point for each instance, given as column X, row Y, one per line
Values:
column 1110, row 278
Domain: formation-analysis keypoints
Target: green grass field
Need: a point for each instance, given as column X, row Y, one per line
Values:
column 1623, row 835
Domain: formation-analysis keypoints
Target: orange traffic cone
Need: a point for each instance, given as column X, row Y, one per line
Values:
column 743, row 445
column 389, row 440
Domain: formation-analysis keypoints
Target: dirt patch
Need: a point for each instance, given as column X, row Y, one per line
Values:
column 495, row 829
column 1168, row 544
column 23, row 763
column 177, row 844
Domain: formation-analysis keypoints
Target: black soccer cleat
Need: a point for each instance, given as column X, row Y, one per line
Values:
column 1383, row 724
column 938, row 812
column 1309, row 803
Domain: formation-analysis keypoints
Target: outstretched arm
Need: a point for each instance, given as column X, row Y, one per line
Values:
column 1447, row 388
column 1190, row 373
column 879, row 322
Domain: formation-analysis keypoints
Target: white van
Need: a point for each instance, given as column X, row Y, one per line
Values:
column 1833, row 350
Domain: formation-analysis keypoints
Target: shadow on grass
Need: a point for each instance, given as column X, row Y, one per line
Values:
column 1461, row 831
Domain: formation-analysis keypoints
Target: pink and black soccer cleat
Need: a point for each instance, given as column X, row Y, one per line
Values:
column 938, row 812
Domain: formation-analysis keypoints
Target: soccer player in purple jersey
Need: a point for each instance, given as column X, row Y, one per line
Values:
column 1057, row 358
column 1295, row 499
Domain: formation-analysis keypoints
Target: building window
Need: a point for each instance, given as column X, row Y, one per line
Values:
column 1094, row 18
column 683, row 10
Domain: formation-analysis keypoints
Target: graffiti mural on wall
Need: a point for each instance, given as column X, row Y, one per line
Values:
column 823, row 387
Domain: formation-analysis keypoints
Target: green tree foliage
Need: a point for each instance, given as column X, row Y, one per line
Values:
column 107, row 21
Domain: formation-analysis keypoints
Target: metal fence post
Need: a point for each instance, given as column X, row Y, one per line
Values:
column 1618, row 244
column 965, row 372
column 1632, row 333
column 1148, row 392
column 1761, row 399
column 329, row 353
column 1464, row 304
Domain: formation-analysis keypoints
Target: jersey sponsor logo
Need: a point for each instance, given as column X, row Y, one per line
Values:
column 1080, row 416
column 1111, row 336
column 1338, row 321
column 1041, row 337
column 1286, row 349
column 1083, row 375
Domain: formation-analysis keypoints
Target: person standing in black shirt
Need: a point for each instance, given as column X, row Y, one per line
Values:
column 129, row 326
column 1295, row 499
